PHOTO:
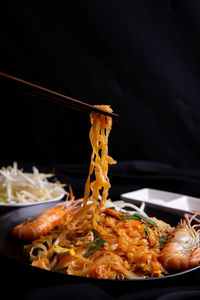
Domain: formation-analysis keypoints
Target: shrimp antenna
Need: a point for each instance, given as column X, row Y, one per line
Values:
column 188, row 220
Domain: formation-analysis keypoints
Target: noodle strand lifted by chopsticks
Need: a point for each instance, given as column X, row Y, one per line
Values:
column 100, row 160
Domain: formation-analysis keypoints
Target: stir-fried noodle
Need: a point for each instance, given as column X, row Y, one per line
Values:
column 100, row 238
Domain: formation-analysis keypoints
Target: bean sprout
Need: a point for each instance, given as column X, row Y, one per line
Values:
column 17, row 186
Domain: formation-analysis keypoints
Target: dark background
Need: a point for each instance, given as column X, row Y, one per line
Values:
column 141, row 57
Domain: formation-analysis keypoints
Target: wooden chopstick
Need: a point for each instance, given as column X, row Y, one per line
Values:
column 47, row 94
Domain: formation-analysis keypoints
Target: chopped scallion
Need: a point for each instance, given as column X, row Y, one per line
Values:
column 61, row 269
column 146, row 229
column 94, row 241
column 95, row 232
column 53, row 240
column 147, row 234
column 137, row 216
column 163, row 239
column 46, row 245
column 36, row 250
column 129, row 217
column 92, row 250
column 113, row 208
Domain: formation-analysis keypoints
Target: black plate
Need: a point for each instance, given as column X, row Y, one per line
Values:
column 13, row 249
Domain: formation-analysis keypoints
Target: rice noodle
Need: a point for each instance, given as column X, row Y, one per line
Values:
column 101, row 239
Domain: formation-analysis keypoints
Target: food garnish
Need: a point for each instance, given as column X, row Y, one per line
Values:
column 92, row 250
column 137, row 216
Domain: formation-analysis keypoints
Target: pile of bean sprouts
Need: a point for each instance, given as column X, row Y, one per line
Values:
column 20, row 187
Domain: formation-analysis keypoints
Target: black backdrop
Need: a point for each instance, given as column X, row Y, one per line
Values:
column 141, row 57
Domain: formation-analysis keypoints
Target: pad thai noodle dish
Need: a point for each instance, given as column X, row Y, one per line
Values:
column 99, row 238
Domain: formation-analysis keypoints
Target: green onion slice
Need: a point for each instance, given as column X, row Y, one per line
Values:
column 92, row 250
column 61, row 269
column 137, row 216
column 94, row 241
column 112, row 207
column 163, row 239
column 96, row 234
column 46, row 245
column 55, row 232
column 36, row 250
column 146, row 229
column 53, row 240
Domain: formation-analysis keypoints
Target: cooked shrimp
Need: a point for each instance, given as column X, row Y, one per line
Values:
column 182, row 251
column 45, row 221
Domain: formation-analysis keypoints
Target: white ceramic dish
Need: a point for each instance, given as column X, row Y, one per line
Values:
column 166, row 200
column 4, row 207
